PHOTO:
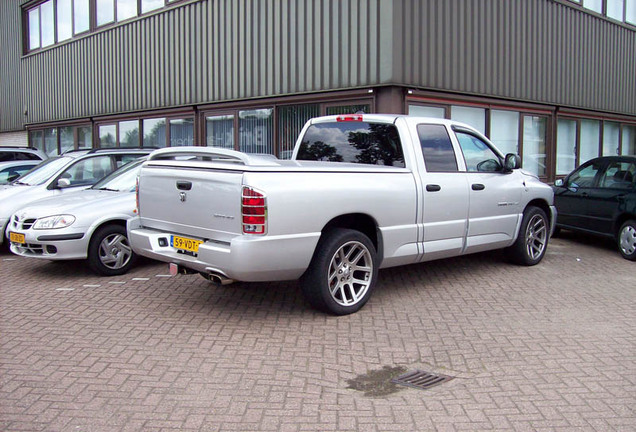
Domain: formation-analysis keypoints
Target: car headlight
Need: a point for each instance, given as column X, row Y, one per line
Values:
column 54, row 222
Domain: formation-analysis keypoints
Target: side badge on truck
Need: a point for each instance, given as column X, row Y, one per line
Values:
column 182, row 196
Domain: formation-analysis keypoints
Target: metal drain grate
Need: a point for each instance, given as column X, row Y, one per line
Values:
column 420, row 379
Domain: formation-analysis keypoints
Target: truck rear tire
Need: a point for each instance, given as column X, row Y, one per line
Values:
column 342, row 273
column 532, row 241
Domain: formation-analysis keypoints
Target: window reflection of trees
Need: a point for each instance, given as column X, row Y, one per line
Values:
column 379, row 144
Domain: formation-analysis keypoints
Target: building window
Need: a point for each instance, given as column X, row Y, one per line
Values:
column 504, row 130
column 154, row 132
column 475, row 117
column 291, row 120
column 630, row 12
column 55, row 21
column 105, row 12
column 534, row 144
column 628, row 144
column 594, row 5
column 148, row 132
column 256, row 132
column 182, row 132
column 427, row 111
column 220, row 131
column 611, row 136
column 590, row 138
column 619, row 10
column 566, row 146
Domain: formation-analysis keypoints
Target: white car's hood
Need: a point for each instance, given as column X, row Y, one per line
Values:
column 12, row 197
column 88, row 201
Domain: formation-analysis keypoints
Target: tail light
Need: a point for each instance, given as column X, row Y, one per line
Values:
column 254, row 211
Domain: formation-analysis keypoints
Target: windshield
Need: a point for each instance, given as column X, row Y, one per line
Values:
column 44, row 171
column 122, row 180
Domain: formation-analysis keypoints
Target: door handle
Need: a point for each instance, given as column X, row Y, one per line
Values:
column 184, row 185
column 433, row 188
column 478, row 186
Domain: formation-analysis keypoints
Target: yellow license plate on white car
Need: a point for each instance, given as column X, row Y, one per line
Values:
column 185, row 243
column 17, row 238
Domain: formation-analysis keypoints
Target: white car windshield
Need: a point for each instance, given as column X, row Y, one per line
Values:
column 122, row 180
column 44, row 171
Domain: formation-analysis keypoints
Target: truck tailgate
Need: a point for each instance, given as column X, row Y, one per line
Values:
column 197, row 202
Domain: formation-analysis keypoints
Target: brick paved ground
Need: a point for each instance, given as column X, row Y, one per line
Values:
column 552, row 347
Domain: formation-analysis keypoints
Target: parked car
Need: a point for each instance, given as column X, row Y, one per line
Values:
column 10, row 171
column 60, row 175
column 11, row 153
column 599, row 198
column 86, row 224
column 361, row 192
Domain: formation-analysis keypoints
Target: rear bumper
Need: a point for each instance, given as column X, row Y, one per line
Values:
column 249, row 259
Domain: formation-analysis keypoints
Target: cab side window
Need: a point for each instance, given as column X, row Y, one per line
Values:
column 437, row 149
column 88, row 171
column 478, row 155
column 619, row 175
column 584, row 177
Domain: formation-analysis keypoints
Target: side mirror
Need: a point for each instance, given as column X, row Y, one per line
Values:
column 512, row 162
column 63, row 183
column 12, row 177
column 559, row 183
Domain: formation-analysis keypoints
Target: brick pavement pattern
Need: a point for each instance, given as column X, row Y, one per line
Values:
column 544, row 348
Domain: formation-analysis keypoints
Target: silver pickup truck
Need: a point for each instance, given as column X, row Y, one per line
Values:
column 360, row 193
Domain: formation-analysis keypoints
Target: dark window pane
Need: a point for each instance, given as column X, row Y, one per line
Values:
column 219, row 131
column 585, row 176
column 256, row 130
column 437, row 148
column 50, row 141
column 181, row 132
column 349, row 109
column 355, row 142
column 107, row 136
column 36, row 139
column 84, row 137
column 154, row 132
column 619, row 175
column 291, row 120
column 66, row 139
column 129, row 133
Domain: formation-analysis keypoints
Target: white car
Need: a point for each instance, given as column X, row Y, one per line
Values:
column 86, row 224
column 10, row 171
column 60, row 175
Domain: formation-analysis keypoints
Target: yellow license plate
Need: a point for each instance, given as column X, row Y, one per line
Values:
column 185, row 243
column 17, row 238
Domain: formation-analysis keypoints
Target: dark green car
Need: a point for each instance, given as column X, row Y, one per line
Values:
column 599, row 197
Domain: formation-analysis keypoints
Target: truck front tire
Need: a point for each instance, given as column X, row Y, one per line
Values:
column 342, row 273
column 532, row 241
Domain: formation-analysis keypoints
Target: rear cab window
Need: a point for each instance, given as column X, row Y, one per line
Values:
column 353, row 142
